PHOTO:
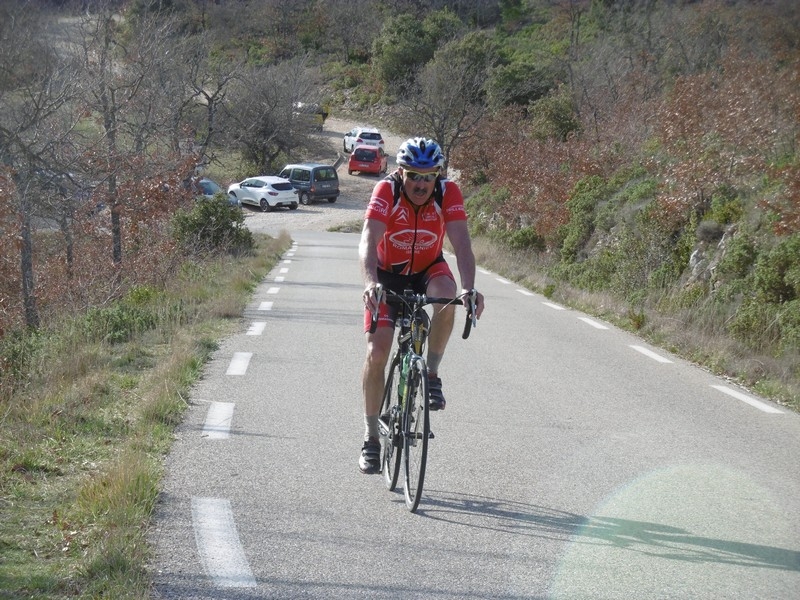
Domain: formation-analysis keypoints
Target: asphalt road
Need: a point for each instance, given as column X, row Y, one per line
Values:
column 574, row 461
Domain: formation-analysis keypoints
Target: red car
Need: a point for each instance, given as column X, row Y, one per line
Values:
column 368, row 159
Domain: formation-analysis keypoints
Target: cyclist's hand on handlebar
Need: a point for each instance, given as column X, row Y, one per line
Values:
column 373, row 295
column 473, row 296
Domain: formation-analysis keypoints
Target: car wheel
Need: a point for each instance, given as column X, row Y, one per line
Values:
column 265, row 207
column 293, row 206
column 349, row 172
column 304, row 199
column 331, row 200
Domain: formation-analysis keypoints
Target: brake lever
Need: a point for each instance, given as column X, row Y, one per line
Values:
column 380, row 295
column 472, row 319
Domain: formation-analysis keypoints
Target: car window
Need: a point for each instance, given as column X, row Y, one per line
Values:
column 371, row 136
column 285, row 174
column 364, row 154
column 327, row 174
column 301, row 175
column 282, row 186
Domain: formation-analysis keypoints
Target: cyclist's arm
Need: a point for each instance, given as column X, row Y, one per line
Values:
column 371, row 234
column 458, row 234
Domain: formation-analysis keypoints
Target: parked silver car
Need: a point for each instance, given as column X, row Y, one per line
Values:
column 266, row 191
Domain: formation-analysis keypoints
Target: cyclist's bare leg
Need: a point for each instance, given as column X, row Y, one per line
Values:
column 379, row 344
column 442, row 321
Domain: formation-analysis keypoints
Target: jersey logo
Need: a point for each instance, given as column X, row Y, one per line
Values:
column 408, row 239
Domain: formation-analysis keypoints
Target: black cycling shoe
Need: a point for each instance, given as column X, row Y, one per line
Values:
column 370, row 460
column 437, row 397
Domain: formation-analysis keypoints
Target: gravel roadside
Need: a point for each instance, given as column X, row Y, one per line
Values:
column 354, row 194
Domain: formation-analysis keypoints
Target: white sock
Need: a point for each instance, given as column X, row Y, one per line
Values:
column 371, row 427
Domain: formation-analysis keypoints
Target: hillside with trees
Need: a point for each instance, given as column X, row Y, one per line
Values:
column 643, row 153
column 636, row 159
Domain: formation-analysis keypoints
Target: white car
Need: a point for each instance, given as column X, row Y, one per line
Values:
column 265, row 191
column 362, row 136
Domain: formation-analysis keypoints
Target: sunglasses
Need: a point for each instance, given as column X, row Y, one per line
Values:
column 426, row 177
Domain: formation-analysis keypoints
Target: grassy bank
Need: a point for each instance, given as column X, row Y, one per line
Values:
column 81, row 445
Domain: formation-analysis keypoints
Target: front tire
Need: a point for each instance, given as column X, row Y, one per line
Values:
column 391, row 438
column 416, row 432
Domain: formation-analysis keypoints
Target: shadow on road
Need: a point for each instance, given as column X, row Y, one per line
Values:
column 653, row 539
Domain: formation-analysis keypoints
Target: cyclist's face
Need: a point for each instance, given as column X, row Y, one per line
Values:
column 419, row 191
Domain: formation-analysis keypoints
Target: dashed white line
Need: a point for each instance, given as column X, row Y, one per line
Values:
column 747, row 399
column 279, row 279
column 286, row 262
column 484, row 272
column 256, row 328
column 525, row 292
column 265, row 306
column 553, row 306
column 218, row 543
column 651, row 354
column 218, row 421
column 501, row 280
column 593, row 323
column 284, row 270
column 273, row 290
column 239, row 363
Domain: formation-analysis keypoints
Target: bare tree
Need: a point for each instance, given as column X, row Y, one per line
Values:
column 36, row 87
column 128, row 85
column 264, row 121
column 447, row 98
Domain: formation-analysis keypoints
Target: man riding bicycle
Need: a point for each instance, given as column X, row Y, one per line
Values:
column 406, row 220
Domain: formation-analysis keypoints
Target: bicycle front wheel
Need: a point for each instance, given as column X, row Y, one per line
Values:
column 389, row 425
column 416, row 432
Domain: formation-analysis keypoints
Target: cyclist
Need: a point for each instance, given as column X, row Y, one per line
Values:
column 407, row 217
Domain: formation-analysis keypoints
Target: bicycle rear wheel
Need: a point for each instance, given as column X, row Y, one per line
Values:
column 389, row 424
column 416, row 432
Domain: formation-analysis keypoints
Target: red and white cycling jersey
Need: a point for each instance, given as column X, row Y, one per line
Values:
column 413, row 238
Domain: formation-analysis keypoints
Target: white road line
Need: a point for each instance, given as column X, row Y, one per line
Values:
column 651, row 354
column 218, row 543
column 484, row 272
column 273, row 290
column 553, row 306
column 279, row 279
column 525, row 292
column 747, row 399
column 286, row 262
column 284, row 270
column 501, row 280
column 256, row 328
column 265, row 306
column 218, row 421
column 239, row 363
column 593, row 323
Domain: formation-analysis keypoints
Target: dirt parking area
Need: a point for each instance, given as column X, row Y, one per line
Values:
column 354, row 191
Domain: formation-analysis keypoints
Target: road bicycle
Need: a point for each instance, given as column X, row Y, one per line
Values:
column 404, row 421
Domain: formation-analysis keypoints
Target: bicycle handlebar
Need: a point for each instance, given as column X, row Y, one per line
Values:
column 410, row 299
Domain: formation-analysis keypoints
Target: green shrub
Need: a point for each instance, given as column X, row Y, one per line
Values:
column 777, row 272
column 18, row 349
column 738, row 258
column 588, row 192
column 726, row 206
column 212, row 226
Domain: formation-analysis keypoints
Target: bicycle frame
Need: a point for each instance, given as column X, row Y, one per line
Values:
column 405, row 425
